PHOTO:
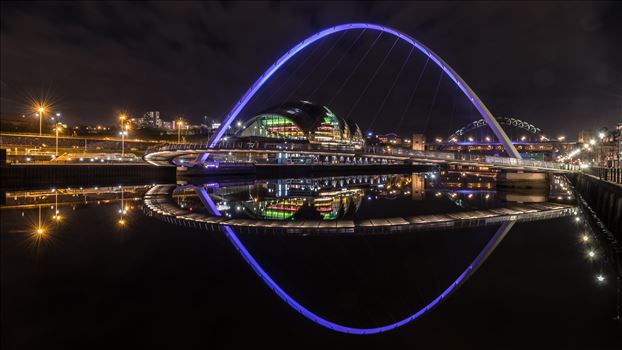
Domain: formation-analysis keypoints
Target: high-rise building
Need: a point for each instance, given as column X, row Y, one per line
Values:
column 585, row 136
column 418, row 142
column 152, row 120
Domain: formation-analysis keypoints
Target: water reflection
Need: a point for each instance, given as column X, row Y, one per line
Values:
column 329, row 199
column 336, row 200
column 356, row 197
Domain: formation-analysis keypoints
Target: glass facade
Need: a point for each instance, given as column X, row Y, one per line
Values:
column 273, row 126
column 303, row 121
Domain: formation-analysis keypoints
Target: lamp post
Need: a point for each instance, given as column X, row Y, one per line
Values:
column 41, row 110
column 179, row 124
column 123, row 132
column 57, row 129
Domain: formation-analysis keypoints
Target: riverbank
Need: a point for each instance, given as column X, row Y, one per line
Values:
column 604, row 198
column 15, row 177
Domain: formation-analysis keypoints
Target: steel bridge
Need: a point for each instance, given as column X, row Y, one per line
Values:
column 196, row 155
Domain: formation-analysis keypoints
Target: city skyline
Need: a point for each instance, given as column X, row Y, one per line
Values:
column 142, row 73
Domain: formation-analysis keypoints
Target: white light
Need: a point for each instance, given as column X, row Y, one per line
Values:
column 601, row 135
column 577, row 219
column 591, row 254
column 600, row 278
column 585, row 238
column 592, row 142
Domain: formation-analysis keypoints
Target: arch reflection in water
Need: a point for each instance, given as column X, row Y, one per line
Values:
column 202, row 191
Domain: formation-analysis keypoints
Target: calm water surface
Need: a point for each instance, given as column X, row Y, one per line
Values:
column 104, row 274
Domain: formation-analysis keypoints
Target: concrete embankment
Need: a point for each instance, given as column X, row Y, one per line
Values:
column 524, row 180
column 605, row 198
column 36, row 176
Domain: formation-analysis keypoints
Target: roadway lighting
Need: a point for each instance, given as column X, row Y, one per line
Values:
column 40, row 231
column 523, row 138
column 487, row 139
column 41, row 110
column 561, row 138
column 57, row 129
column 592, row 142
column 591, row 254
column 601, row 135
column 122, row 117
column 179, row 124
column 585, row 238
column 600, row 278
column 470, row 139
column 58, row 114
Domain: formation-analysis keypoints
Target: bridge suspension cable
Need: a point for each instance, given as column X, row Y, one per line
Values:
column 386, row 96
column 371, row 79
column 459, row 82
column 336, row 65
column 291, row 76
column 412, row 94
column 312, row 70
column 438, row 85
column 345, row 82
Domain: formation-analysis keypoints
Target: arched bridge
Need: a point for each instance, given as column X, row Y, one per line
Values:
column 508, row 121
column 196, row 155
column 436, row 59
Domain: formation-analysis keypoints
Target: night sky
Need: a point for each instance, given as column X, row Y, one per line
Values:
column 557, row 65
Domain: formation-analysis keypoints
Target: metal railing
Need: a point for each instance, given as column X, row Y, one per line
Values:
column 608, row 174
column 378, row 150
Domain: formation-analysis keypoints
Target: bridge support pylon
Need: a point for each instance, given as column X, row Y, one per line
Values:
column 520, row 179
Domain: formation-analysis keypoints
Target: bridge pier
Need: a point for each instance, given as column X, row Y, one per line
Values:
column 520, row 179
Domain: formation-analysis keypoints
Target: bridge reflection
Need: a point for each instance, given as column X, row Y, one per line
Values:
column 288, row 204
column 372, row 203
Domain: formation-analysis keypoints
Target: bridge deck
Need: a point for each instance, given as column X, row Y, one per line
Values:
column 165, row 154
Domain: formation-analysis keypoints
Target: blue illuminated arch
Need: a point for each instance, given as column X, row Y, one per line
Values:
column 239, row 246
column 460, row 83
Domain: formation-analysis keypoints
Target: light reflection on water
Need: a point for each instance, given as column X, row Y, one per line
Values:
column 332, row 198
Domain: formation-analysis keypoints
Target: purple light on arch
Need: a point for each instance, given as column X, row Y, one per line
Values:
column 460, row 83
column 239, row 246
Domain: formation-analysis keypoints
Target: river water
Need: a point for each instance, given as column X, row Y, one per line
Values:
column 104, row 271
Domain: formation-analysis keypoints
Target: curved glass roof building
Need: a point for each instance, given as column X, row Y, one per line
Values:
column 303, row 121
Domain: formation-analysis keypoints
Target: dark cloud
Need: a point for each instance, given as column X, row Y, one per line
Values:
column 555, row 64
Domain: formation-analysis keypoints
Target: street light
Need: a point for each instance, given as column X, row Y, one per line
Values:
column 122, row 117
column 179, row 124
column 58, row 128
column 41, row 110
